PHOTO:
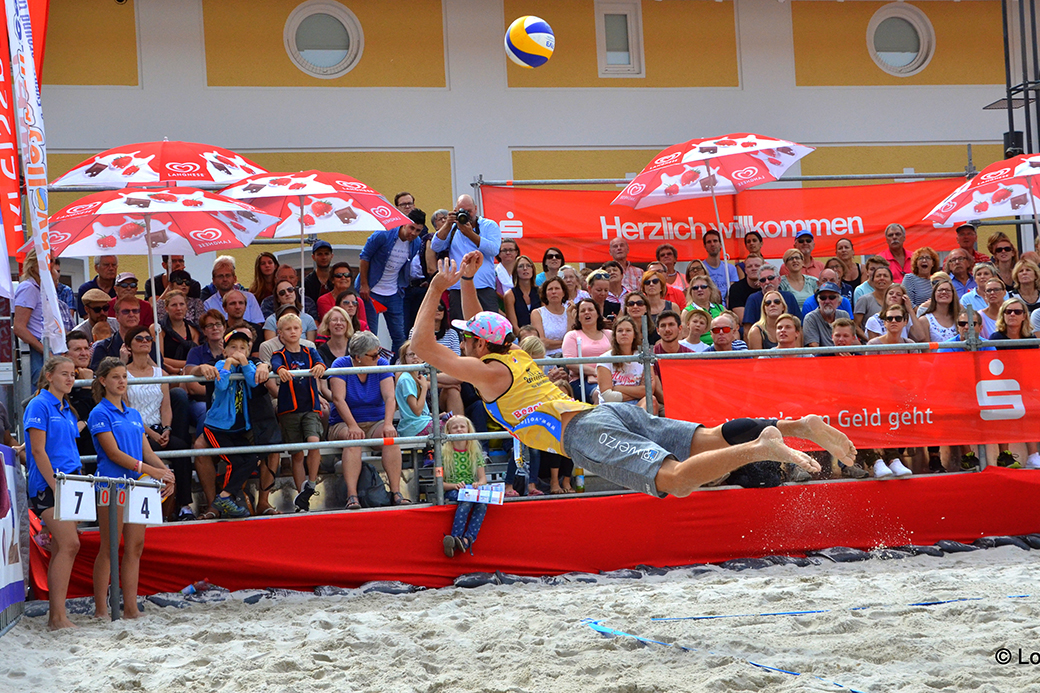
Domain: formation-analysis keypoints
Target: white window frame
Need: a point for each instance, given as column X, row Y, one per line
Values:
column 921, row 24
column 349, row 21
column 633, row 9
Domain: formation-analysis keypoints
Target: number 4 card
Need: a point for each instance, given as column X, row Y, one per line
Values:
column 143, row 506
column 74, row 500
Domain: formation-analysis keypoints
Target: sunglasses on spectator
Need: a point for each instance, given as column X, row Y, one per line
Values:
column 767, row 279
column 721, row 330
column 98, row 309
column 181, row 282
column 773, row 302
column 654, row 280
column 635, row 304
column 893, row 318
column 142, row 338
column 341, row 275
column 129, row 311
column 699, row 287
column 127, row 285
column 353, row 302
column 962, row 323
column 828, row 297
column 1004, row 249
column 1014, row 311
column 286, row 292
column 553, row 256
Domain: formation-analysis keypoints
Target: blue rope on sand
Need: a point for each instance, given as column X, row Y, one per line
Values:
column 610, row 632
column 824, row 611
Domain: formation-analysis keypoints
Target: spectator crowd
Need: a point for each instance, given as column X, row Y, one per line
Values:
column 280, row 325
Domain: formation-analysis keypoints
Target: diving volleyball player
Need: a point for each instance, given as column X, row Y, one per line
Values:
column 620, row 442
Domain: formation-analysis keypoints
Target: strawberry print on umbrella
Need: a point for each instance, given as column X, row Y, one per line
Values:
column 317, row 202
column 154, row 162
column 173, row 221
column 711, row 166
column 1003, row 189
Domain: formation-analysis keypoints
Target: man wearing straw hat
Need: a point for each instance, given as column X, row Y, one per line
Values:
column 619, row 442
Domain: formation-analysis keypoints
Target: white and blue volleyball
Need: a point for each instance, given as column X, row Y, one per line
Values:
column 530, row 41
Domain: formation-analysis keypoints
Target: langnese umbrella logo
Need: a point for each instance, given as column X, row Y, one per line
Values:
column 995, row 175
column 182, row 167
column 746, row 173
column 382, row 211
column 667, row 159
column 77, row 210
column 57, row 237
column 355, row 186
column 205, row 235
column 635, row 188
column 949, row 206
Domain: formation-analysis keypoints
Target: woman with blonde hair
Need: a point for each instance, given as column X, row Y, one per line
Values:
column 1026, row 277
column 801, row 285
column 338, row 328
column 704, row 294
column 762, row 335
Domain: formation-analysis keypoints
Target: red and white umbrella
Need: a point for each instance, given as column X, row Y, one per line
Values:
column 154, row 162
column 317, row 202
column 142, row 221
column 1002, row 189
column 711, row 166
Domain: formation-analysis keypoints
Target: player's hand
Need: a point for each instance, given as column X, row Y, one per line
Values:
column 471, row 263
column 447, row 275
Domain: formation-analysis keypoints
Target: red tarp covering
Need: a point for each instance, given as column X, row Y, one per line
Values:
column 583, row 534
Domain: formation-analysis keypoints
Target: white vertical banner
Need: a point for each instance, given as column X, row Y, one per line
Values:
column 33, row 145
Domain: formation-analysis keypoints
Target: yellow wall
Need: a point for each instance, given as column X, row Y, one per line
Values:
column 687, row 43
column 425, row 174
column 893, row 159
column 579, row 163
column 404, row 45
column 830, row 44
column 91, row 42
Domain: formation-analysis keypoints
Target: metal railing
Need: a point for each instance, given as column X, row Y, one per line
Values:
column 645, row 356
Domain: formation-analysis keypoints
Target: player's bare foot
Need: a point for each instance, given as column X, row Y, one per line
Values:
column 132, row 614
column 772, row 447
column 814, row 428
column 58, row 624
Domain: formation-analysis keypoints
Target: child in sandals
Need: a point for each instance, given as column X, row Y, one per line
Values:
column 463, row 466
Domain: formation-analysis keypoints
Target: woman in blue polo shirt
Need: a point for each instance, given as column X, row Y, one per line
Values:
column 123, row 452
column 51, row 425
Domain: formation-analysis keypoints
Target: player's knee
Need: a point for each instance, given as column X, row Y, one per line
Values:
column 745, row 430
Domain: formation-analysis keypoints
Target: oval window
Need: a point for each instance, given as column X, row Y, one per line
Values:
column 323, row 39
column 900, row 39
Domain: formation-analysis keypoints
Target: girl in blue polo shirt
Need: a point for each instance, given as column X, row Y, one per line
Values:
column 123, row 452
column 51, row 426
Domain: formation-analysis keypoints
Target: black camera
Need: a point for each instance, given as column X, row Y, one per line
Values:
column 462, row 217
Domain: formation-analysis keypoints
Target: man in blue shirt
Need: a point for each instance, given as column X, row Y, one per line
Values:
column 383, row 276
column 475, row 233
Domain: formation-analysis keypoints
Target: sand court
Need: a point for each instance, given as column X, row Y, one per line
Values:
column 531, row 637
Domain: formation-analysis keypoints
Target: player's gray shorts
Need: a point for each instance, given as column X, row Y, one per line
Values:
column 625, row 444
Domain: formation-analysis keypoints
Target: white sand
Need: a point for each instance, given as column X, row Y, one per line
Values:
column 531, row 638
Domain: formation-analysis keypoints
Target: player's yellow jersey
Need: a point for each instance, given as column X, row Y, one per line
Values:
column 532, row 408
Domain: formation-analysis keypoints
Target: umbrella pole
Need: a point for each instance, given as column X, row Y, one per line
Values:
column 1031, row 245
column 718, row 222
column 302, row 261
column 155, row 312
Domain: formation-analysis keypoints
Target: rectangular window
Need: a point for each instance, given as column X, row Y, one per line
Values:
column 619, row 38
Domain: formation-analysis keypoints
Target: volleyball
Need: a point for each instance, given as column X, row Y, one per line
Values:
column 530, row 41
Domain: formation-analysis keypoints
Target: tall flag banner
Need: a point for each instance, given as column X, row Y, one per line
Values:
column 13, row 235
column 32, row 143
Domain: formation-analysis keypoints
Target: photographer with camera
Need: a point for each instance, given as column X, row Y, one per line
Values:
column 462, row 232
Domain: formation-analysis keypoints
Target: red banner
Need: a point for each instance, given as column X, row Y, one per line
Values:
column 582, row 222
column 878, row 400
